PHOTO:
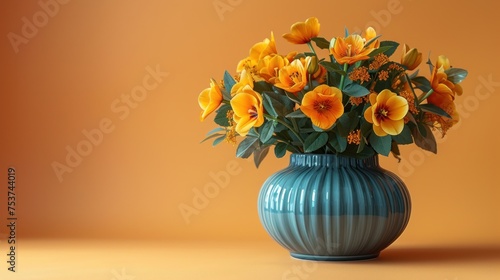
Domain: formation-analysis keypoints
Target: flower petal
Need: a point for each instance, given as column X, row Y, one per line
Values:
column 244, row 125
column 379, row 131
column 392, row 127
column 384, row 95
column 397, row 107
column 369, row 115
column 242, row 102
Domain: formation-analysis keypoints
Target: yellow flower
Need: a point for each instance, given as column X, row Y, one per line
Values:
column 323, row 106
column 369, row 34
column 210, row 99
column 303, row 32
column 248, row 110
column 440, row 83
column 411, row 58
column 270, row 65
column 350, row 49
column 293, row 77
column 257, row 52
column 245, row 79
column 386, row 113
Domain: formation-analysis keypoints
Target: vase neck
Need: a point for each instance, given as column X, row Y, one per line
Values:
column 331, row 160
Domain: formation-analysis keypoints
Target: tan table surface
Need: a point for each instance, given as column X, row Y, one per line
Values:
column 141, row 260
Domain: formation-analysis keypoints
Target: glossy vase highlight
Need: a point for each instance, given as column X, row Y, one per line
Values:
column 329, row 207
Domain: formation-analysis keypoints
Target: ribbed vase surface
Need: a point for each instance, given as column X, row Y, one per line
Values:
column 329, row 207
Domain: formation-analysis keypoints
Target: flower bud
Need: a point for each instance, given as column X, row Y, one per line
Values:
column 313, row 66
column 411, row 58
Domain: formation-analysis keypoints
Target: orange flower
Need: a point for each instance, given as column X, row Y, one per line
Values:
column 350, row 49
column 443, row 95
column 293, row 77
column 442, row 123
column 303, row 32
column 248, row 110
column 386, row 113
column 210, row 99
column 323, row 106
column 440, row 83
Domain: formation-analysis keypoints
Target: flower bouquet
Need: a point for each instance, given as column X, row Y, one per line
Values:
column 343, row 96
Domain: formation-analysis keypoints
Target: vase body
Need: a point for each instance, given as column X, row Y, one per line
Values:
column 329, row 207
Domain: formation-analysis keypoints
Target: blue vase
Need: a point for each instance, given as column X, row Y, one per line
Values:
column 330, row 207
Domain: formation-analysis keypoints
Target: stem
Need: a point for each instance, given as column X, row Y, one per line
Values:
column 311, row 48
column 226, row 101
column 342, row 79
column 287, row 126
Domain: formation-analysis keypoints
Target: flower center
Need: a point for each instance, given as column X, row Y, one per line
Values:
column 253, row 113
column 294, row 76
column 321, row 106
column 348, row 51
column 382, row 113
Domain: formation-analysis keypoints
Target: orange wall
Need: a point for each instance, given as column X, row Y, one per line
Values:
column 86, row 68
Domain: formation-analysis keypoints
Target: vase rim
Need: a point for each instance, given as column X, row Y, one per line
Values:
column 332, row 160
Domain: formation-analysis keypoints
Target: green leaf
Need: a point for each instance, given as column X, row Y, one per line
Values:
column 315, row 141
column 395, row 151
column 246, row 147
column 221, row 116
column 381, row 145
column 392, row 44
column 355, row 90
column 431, row 67
column 296, row 114
column 281, row 104
column 362, row 142
column 266, row 131
column 422, row 129
column 262, row 86
column 268, row 105
column 431, row 108
column 218, row 140
column 372, row 40
column 292, row 97
column 404, row 137
column 217, row 129
column 347, row 122
column 421, row 83
column 338, row 142
column 366, row 152
column 456, row 75
column 259, row 155
column 212, row 136
column 366, row 127
column 280, row 149
column 229, row 81
column 379, row 50
column 253, row 133
column 427, row 142
column 332, row 67
column 321, row 42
